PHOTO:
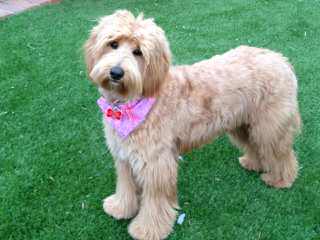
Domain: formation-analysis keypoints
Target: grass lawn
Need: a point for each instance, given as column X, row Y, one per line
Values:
column 55, row 168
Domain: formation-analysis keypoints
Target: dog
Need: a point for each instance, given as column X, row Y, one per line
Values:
column 153, row 112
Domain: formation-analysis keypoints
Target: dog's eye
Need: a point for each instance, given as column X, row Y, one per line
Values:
column 137, row 52
column 114, row 45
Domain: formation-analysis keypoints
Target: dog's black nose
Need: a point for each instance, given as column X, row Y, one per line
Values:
column 116, row 73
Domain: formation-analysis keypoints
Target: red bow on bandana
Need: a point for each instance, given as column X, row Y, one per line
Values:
column 113, row 114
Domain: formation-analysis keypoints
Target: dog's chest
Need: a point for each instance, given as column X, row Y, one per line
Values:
column 123, row 149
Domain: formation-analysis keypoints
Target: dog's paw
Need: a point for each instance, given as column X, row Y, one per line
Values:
column 270, row 180
column 249, row 164
column 120, row 208
column 137, row 231
column 147, row 231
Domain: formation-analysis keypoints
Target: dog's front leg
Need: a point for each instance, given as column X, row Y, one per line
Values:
column 124, row 203
column 157, row 212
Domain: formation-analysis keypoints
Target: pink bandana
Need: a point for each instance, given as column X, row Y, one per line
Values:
column 126, row 117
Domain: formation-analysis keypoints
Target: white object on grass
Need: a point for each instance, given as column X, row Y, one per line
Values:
column 180, row 158
column 181, row 218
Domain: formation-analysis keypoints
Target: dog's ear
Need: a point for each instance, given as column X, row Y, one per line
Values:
column 158, row 59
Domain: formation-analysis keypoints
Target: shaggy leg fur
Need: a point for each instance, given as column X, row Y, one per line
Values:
column 250, row 160
column 268, row 148
column 124, row 203
column 274, row 145
column 159, row 199
column 282, row 166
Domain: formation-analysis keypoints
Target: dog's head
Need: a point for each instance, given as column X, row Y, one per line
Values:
column 127, row 57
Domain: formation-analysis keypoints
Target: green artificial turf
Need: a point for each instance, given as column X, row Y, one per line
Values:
column 55, row 168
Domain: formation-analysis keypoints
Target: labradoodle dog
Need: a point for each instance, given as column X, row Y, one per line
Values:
column 153, row 112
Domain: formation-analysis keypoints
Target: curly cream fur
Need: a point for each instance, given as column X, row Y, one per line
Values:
column 248, row 93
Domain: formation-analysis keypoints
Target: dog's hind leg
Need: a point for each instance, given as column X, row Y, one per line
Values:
column 274, row 140
column 124, row 203
column 240, row 138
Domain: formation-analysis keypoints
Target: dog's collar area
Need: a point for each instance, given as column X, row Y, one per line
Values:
column 125, row 117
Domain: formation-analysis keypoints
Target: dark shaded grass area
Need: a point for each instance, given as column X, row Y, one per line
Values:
column 55, row 169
